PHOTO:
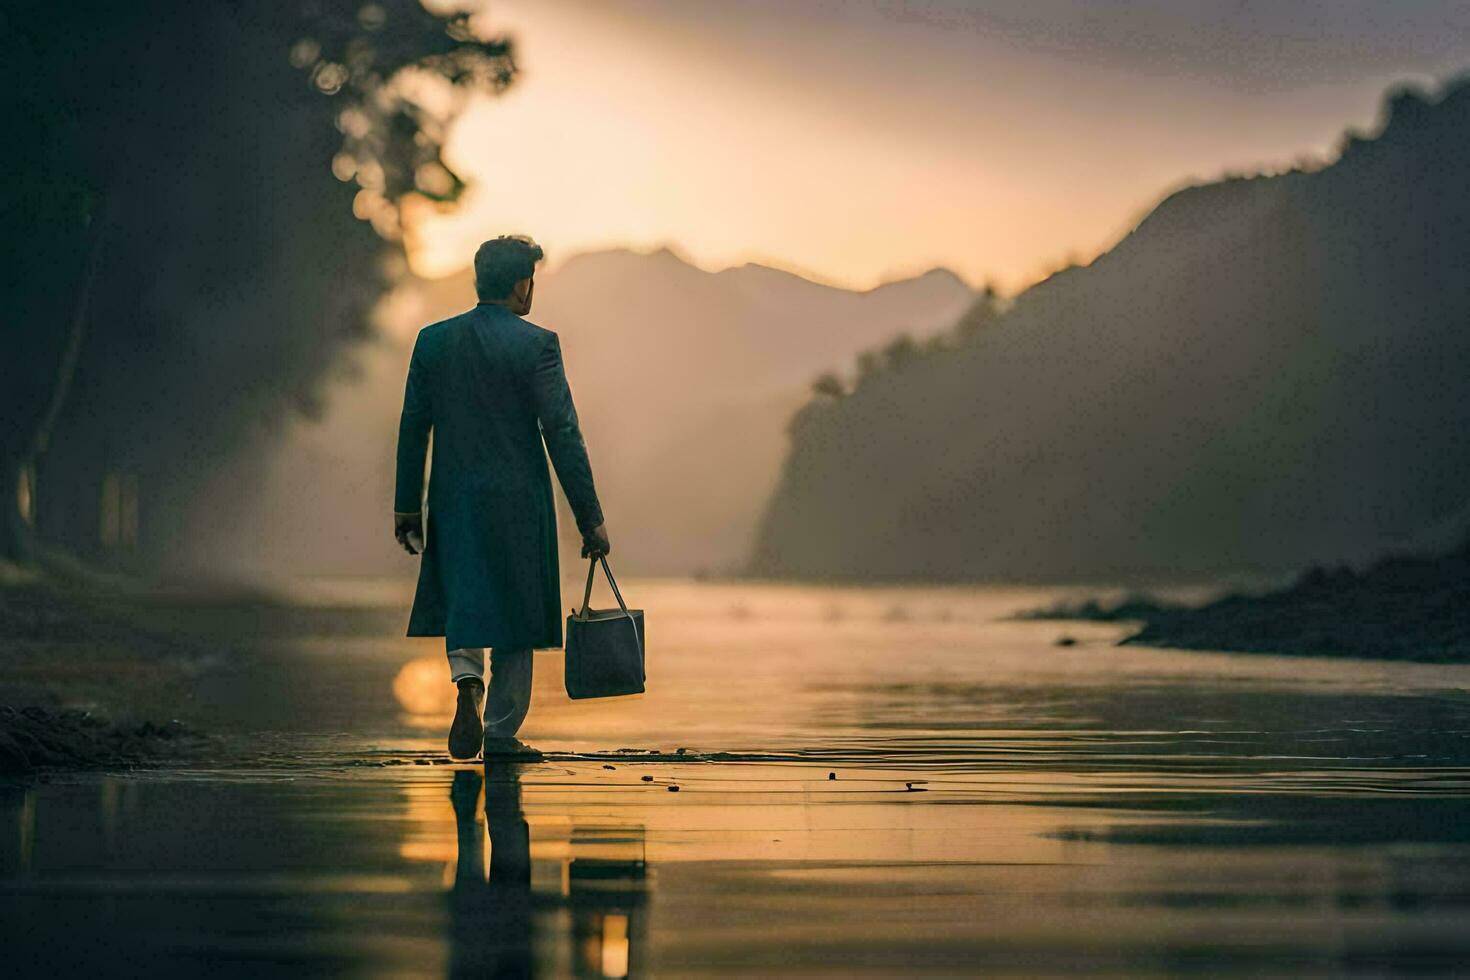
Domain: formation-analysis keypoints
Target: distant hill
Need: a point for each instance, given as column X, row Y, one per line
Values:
column 1267, row 372
column 684, row 381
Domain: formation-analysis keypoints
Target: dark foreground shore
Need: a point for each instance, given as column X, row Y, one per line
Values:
column 35, row 739
column 84, row 682
column 1401, row 608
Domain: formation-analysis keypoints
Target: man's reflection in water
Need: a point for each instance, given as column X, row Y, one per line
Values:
column 490, row 929
column 492, row 925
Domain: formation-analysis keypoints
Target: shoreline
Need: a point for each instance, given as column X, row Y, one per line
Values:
column 1401, row 608
column 84, row 684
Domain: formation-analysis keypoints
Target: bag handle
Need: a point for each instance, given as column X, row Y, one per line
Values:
column 587, row 596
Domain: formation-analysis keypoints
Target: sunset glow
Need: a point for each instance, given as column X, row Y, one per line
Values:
column 867, row 143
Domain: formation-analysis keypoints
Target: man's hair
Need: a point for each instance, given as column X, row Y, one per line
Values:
column 502, row 262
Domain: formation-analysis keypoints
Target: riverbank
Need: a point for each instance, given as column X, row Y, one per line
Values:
column 85, row 683
column 1401, row 608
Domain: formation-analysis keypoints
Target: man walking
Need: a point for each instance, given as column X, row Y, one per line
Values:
column 491, row 387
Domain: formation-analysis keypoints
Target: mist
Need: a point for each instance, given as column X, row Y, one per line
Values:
column 685, row 381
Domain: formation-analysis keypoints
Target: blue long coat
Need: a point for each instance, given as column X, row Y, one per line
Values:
column 490, row 386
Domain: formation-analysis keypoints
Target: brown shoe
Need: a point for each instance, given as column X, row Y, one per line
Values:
column 468, row 731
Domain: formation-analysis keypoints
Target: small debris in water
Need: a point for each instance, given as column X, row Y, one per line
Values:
column 1066, row 641
column 647, row 779
column 673, row 789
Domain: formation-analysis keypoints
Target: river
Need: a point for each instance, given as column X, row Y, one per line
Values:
column 825, row 781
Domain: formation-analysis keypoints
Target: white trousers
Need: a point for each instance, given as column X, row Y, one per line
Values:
column 507, row 695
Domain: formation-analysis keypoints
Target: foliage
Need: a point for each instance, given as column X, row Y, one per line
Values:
column 1267, row 371
column 393, row 130
column 900, row 352
column 980, row 317
column 904, row 350
column 179, row 160
column 828, row 385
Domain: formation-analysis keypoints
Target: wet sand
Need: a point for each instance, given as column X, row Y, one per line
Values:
column 1000, row 805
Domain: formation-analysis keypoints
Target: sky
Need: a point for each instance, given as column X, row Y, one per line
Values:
column 862, row 141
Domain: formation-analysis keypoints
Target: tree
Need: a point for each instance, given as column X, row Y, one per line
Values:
column 900, row 352
column 869, row 363
column 979, row 317
column 203, row 202
column 828, row 385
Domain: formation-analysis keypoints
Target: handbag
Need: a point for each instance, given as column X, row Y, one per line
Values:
column 604, row 646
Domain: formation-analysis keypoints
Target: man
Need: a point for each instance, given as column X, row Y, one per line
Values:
column 491, row 387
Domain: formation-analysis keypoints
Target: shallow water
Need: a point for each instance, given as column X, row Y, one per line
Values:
column 1000, row 804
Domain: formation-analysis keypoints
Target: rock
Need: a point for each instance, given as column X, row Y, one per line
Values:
column 1401, row 608
column 35, row 737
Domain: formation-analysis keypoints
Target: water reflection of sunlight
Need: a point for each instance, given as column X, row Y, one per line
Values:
column 611, row 946
column 423, row 691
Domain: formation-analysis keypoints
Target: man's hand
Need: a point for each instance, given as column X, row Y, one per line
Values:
column 403, row 525
column 595, row 543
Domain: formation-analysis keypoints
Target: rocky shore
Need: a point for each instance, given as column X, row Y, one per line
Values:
column 34, row 739
column 84, row 682
column 1401, row 608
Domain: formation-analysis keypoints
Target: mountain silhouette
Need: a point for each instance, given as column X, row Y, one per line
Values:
column 684, row 381
column 1266, row 372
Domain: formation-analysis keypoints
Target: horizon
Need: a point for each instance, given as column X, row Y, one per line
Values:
column 553, row 264
column 1091, row 142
